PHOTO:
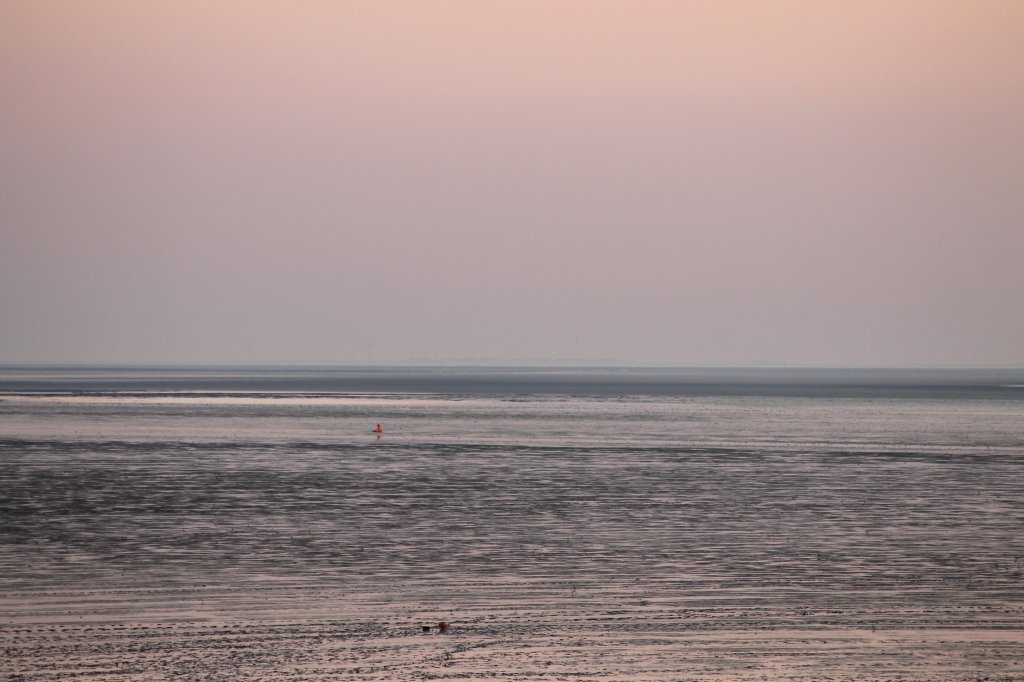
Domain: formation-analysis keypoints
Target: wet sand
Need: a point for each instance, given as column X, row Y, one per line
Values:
column 536, row 630
column 167, row 560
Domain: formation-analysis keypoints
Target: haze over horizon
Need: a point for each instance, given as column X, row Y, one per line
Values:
column 644, row 182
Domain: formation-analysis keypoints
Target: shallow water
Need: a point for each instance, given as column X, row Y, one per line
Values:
column 801, row 529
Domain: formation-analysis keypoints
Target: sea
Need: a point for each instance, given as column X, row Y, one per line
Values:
column 772, row 498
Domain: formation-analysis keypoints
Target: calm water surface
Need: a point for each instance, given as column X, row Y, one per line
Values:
column 752, row 475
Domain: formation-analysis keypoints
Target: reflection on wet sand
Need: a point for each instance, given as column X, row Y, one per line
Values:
column 271, row 561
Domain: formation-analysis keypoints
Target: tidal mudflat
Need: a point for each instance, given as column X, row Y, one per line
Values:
column 218, row 535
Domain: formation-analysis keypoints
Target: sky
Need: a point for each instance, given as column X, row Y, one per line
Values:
column 721, row 182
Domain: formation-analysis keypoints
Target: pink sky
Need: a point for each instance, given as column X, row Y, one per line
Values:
column 662, row 182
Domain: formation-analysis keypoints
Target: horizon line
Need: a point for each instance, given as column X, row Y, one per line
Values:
column 499, row 364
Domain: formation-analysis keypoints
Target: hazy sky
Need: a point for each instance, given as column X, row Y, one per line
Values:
column 720, row 182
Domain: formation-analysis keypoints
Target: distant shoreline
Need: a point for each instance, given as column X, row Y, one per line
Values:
column 665, row 382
